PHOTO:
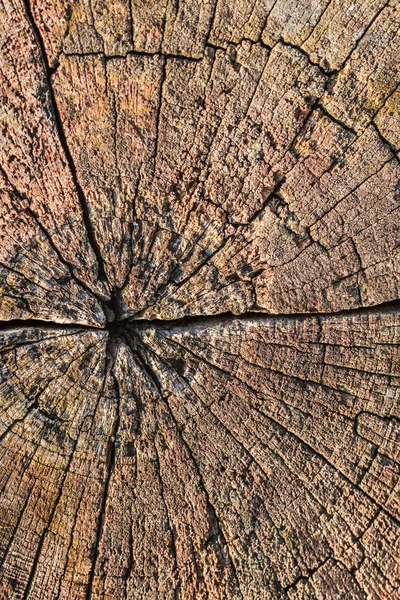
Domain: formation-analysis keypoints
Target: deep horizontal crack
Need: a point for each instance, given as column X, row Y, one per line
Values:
column 115, row 326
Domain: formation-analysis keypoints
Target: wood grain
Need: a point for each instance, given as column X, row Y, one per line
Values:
column 199, row 300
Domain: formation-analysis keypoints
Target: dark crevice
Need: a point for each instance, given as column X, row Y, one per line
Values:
column 328, row 72
column 112, row 310
column 158, row 116
column 183, row 57
column 193, row 320
column 386, row 142
column 342, row 124
column 61, row 134
column 131, row 23
column 110, row 464
column 215, row 47
column 108, row 57
column 118, row 327
column 39, row 324
column 211, row 23
column 311, row 572
column 272, row 193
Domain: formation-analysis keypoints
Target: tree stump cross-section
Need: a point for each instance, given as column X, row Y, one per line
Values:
column 199, row 300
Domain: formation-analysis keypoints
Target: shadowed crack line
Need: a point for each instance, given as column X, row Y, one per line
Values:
column 110, row 465
column 63, row 141
column 117, row 327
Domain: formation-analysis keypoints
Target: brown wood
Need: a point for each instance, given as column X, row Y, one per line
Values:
column 199, row 300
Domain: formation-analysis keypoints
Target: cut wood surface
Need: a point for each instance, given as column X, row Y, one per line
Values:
column 199, row 300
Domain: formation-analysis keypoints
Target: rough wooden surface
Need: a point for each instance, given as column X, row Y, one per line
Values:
column 199, row 286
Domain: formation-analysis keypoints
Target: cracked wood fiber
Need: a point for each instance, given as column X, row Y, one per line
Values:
column 199, row 300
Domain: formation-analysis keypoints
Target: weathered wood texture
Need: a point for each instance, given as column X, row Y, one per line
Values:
column 201, row 163
column 251, row 458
